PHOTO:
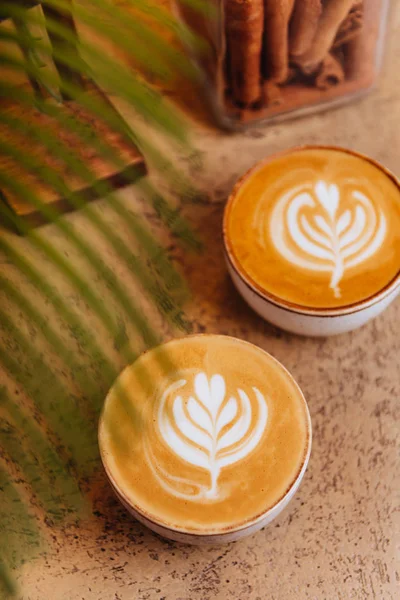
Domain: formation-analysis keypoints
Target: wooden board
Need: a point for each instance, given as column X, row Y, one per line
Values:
column 34, row 177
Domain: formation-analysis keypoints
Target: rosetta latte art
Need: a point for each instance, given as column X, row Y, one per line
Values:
column 326, row 238
column 209, row 429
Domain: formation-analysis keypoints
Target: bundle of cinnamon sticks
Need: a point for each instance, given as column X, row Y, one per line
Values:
column 276, row 45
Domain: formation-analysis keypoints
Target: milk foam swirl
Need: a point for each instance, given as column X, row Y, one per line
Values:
column 311, row 229
column 208, row 428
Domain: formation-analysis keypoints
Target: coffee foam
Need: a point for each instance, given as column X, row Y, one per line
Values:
column 223, row 434
column 323, row 225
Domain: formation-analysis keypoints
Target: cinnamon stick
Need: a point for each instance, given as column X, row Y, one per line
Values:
column 244, row 31
column 334, row 13
column 351, row 26
column 277, row 15
column 303, row 25
column 330, row 74
column 360, row 52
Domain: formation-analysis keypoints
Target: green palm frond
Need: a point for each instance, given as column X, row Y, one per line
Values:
column 54, row 371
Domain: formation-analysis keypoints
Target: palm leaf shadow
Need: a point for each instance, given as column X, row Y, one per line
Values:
column 54, row 369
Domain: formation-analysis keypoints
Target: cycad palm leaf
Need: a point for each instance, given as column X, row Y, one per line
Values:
column 59, row 293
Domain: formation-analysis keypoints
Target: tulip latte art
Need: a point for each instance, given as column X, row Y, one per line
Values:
column 210, row 429
column 329, row 240
column 316, row 227
column 204, row 432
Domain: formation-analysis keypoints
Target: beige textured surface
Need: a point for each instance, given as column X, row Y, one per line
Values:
column 337, row 540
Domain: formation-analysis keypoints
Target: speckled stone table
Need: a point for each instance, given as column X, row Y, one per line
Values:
column 338, row 539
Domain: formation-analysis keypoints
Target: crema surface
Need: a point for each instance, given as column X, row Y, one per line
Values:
column 319, row 228
column 204, row 433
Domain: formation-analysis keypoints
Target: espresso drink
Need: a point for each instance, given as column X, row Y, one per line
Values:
column 316, row 227
column 204, row 434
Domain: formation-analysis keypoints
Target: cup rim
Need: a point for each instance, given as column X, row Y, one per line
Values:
column 212, row 532
column 294, row 307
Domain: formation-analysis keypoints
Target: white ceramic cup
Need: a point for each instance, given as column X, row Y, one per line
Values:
column 210, row 539
column 309, row 322
column 302, row 320
column 224, row 535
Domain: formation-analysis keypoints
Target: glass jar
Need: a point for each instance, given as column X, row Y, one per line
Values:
column 265, row 59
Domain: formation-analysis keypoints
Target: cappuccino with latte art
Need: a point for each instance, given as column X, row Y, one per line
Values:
column 315, row 228
column 204, row 434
